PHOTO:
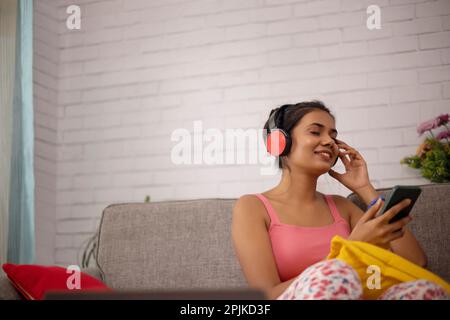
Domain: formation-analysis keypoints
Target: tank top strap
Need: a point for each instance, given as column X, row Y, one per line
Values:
column 334, row 211
column 270, row 210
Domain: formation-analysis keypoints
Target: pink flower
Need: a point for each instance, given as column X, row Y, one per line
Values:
column 432, row 124
column 443, row 135
column 427, row 125
column 443, row 119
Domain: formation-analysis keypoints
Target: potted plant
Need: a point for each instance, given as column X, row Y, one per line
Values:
column 432, row 157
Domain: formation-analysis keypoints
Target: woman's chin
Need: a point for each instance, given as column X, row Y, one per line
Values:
column 322, row 162
column 321, row 167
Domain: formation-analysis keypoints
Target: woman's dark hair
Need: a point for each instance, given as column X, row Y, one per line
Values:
column 292, row 115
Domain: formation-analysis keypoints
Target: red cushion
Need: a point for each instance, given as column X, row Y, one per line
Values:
column 33, row 281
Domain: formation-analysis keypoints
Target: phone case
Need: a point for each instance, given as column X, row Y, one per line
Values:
column 398, row 194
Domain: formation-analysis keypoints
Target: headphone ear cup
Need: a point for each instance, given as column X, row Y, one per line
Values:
column 335, row 161
column 277, row 141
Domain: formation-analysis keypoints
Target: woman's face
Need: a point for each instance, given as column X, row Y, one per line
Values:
column 315, row 132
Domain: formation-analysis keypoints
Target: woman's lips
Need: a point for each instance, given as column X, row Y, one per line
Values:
column 324, row 156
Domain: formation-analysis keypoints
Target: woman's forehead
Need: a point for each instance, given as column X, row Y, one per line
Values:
column 319, row 117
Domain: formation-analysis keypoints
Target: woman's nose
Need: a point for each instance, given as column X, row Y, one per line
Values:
column 332, row 144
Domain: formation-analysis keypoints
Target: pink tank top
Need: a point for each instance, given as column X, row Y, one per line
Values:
column 295, row 248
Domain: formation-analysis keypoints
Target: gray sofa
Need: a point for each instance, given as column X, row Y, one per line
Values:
column 187, row 244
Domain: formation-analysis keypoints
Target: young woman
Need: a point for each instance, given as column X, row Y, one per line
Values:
column 282, row 236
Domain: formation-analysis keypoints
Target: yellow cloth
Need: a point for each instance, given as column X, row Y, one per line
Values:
column 393, row 268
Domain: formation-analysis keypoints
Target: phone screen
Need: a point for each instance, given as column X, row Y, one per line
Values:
column 398, row 194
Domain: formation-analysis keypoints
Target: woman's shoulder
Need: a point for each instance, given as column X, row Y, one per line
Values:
column 343, row 205
column 250, row 206
column 339, row 198
column 247, row 199
column 344, row 202
column 249, row 202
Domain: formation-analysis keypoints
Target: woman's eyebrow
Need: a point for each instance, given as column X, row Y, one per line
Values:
column 322, row 126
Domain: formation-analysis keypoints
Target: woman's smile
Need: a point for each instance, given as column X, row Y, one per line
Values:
column 324, row 156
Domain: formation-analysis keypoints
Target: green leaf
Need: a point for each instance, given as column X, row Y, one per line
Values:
column 435, row 164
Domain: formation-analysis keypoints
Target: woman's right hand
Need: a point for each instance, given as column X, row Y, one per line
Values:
column 379, row 231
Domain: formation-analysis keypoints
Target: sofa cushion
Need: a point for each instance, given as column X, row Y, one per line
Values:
column 430, row 224
column 172, row 244
column 34, row 281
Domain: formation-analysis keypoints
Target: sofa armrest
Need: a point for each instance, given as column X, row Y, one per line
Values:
column 7, row 290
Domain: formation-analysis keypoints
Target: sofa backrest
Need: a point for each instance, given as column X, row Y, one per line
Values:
column 172, row 244
column 430, row 224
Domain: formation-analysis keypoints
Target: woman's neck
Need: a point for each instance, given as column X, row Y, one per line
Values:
column 297, row 187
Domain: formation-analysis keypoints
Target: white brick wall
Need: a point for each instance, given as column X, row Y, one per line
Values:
column 110, row 94
column 45, row 78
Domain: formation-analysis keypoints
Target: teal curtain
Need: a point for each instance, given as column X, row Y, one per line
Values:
column 21, row 234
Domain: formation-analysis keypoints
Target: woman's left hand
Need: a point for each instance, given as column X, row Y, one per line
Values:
column 356, row 175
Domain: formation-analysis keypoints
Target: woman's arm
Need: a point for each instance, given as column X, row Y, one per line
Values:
column 367, row 194
column 409, row 248
column 253, row 247
column 277, row 290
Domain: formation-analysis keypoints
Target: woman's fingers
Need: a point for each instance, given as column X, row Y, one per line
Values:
column 399, row 224
column 395, row 235
column 392, row 212
column 345, row 156
column 345, row 159
column 354, row 154
column 348, row 155
column 351, row 152
column 369, row 214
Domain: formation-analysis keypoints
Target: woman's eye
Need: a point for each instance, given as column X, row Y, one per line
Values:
column 318, row 134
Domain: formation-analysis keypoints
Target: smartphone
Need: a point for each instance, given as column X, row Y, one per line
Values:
column 398, row 194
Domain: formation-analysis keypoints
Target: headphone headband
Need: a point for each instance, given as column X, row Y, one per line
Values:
column 278, row 140
column 277, row 116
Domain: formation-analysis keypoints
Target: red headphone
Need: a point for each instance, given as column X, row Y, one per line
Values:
column 279, row 141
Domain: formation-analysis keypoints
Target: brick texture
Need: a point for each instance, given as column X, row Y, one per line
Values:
column 108, row 96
